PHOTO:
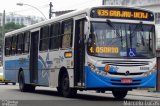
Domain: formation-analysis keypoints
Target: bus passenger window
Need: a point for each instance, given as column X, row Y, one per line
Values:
column 26, row 42
column 55, row 36
column 20, row 43
column 67, row 27
column 14, row 44
column 7, row 46
column 44, row 38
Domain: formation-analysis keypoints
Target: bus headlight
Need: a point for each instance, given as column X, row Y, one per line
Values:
column 154, row 69
column 96, row 70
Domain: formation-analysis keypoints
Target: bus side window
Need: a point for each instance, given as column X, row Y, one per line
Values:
column 44, row 38
column 26, row 42
column 20, row 43
column 55, row 36
column 14, row 45
column 67, row 30
column 7, row 46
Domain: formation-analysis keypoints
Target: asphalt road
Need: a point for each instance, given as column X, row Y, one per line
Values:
column 10, row 94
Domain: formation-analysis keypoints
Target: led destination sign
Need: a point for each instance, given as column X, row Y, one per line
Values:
column 122, row 13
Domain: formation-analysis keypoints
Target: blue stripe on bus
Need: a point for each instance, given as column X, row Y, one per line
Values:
column 12, row 68
column 97, row 81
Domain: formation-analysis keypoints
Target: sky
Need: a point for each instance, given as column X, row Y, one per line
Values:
column 43, row 5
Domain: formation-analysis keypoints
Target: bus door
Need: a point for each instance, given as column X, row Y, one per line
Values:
column 79, row 53
column 34, row 57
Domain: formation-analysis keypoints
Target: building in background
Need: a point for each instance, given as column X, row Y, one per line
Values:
column 20, row 19
column 131, row 2
column 153, row 5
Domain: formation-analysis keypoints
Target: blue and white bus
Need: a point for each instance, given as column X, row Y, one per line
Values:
column 99, row 48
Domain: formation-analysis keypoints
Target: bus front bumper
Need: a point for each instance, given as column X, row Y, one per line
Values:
column 93, row 80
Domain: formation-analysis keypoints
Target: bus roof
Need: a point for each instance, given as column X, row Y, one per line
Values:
column 65, row 16
column 43, row 23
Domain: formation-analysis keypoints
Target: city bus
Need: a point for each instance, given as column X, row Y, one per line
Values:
column 103, row 48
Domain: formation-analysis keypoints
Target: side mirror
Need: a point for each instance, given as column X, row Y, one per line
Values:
column 86, row 27
column 88, row 40
column 86, row 31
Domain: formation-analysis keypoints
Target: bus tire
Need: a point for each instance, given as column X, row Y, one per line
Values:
column 119, row 94
column 22, row 85
column 59, row 89
column 103, row 91
column 66, row 90
column 100, row 91
column 31, row 88
column 6, row 83
column 13, row 83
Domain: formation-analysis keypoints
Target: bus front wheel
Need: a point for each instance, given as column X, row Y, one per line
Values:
column 66, row 90
column 119, row 94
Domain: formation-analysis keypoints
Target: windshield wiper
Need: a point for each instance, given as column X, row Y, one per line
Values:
column 139, row 25
column 130, row 36
column 134, row 31
column 113, row 27
column 141, row 34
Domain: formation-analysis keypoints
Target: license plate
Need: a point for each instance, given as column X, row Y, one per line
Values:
column 126, row 81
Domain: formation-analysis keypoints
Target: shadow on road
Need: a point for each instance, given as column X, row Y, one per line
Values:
column 78, row 96
column 89, row 97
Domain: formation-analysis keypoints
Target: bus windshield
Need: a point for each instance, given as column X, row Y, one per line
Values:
column 121, row 40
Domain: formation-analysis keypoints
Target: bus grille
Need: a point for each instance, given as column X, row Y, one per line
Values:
column 125, row 63
column 116, row 73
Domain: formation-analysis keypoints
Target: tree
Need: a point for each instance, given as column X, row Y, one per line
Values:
column 11, row 26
